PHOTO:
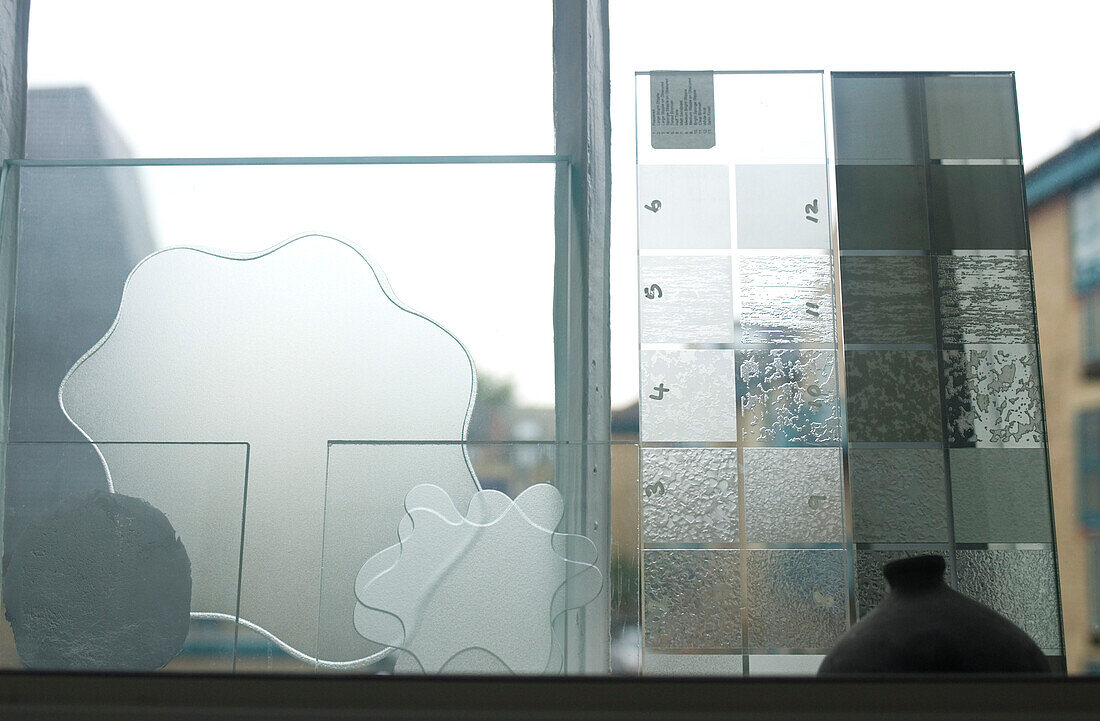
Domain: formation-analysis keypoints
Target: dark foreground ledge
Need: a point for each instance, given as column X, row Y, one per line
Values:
column 164, row 696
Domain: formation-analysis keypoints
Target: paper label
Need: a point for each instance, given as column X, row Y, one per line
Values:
column 681, row 110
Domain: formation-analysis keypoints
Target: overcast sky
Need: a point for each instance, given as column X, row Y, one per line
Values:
column 474, row 249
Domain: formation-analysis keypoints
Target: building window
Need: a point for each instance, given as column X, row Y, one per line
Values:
column 1084, row 214
column 1088, row 469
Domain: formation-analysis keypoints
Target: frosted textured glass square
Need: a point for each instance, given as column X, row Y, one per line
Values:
column 893, row 396
column 1000, row 495
column 796, row 599
column 1017, row 584
column 683, row 206
column 769, row 117
column 693, row 599
column 877, row 119
column 971, row 117
column 785, row 664
column 793, row 495
column 788, row 271
column 871, row 586
column 985, row 299
column 688, row 395
column 899, row 495
column 977, row 207
column 689, row 495
column 782, row 206
column 692, row 664
column 788, row 397
column 887, row 299
column 993, row 396
column 787, row 315
column 686, row 299
column 882, row 207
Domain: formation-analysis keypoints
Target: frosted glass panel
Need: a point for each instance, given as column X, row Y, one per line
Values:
column 789, row 397
column 781, row 206
column 684, row 206
column 899, row 495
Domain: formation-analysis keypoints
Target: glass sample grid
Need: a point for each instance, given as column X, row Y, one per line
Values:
column 919, row 430
column 945, row 415
column 743, row 503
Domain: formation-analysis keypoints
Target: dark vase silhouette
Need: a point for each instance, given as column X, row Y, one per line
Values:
column 924, row 626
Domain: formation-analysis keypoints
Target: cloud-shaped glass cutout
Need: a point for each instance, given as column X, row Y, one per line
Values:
column 495, row 580
column 283, row 350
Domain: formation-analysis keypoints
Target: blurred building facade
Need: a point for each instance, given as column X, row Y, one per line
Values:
column 1063, row 195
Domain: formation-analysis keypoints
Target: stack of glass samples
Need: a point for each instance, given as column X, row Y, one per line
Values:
column 780, row 469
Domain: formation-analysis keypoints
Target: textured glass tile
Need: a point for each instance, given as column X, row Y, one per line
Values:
column 688, row 395
column 977, row 207
column 985, row 299
column 993, row 396
column 785, row 664
column 871, row 586
column 971, row 117
column 899, row 495
column 689, row 495
column 887, row 299
column 692, row 664
column 877, row 119
column 787, row 315
column 782, row 206
column 882, row 207
column 686, row 299
column 693, row 599
column 788, row 397
column 793, row 495
column 1017, row 584
column 789, row 271
column 683, row 206
column 796, row 599
column 893, row 396
column 1000, row 495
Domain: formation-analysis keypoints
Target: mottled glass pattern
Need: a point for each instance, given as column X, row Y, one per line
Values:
column 686, row 299
column 788, row 271
column 688, row 396
column 871, row 585
column 899, row 495
column 1000, row 495
column 796, row 599
column 893, row 396
column 993, row 396
column 1019, row 584
column 887, row 300
column 985, row 299
column 689, row 495
column 789, row 397
column 793, row 495
column 684, row 206
column 785, row 316
column 782, row 206
column 692, row 599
